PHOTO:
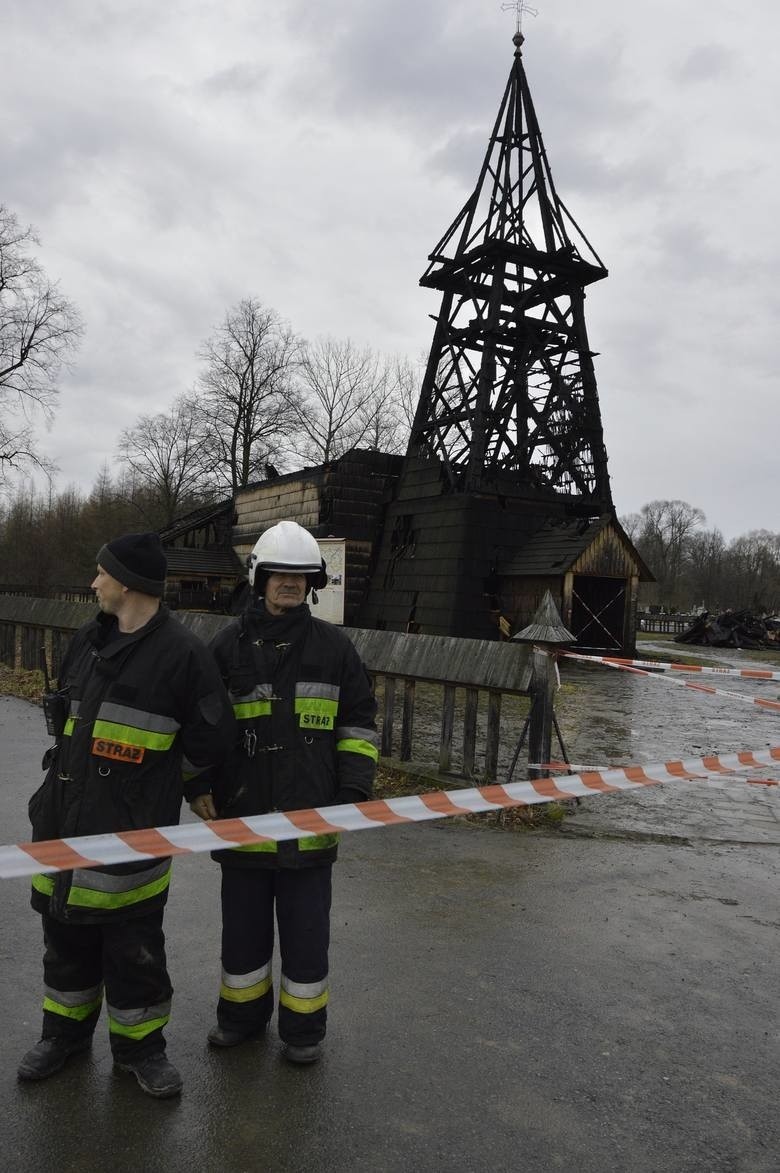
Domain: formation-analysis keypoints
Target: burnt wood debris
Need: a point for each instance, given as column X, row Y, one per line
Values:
column 732, row 629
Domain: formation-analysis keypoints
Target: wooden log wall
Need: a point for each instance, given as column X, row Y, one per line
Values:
column 344, row 499
column 287, row 499
column 471, row 675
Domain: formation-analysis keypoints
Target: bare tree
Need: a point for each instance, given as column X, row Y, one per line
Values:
column 340, row 388
column 665, row 528
column 165, row 456
column 704, row 566
column 632, row 524
column 39, row 329
column 389, row 414
column 752, row 568
column 245, row 399
column 407, row 377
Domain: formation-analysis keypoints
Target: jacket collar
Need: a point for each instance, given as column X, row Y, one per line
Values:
column 104, row 631
column 275, row 628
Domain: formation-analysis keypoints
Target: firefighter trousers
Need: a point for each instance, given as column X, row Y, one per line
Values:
column 301, row 898
column 127, row 959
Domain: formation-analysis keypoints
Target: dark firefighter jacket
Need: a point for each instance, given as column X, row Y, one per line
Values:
column 305, row 713
column 147, row 714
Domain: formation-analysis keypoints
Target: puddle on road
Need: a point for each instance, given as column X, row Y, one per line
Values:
column 608, row 716
column 611, row 717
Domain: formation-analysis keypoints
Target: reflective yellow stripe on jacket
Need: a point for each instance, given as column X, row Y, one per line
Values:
column 129, row 726
column 316, row 704
column 105, row 891
column 351, row 739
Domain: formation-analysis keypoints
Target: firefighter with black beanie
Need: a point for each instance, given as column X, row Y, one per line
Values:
column 146, row 716
column 306, row 713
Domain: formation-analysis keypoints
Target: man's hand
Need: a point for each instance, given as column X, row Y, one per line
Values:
column 203, row 807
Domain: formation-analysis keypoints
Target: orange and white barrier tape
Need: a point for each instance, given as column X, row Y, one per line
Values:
column 577, row 768
column 619, row 661
column 762, row 702
column 55, row 855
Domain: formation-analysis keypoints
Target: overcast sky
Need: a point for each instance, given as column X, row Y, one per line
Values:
column 175, row 157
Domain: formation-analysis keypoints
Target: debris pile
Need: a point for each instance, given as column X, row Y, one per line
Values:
column 732, row 629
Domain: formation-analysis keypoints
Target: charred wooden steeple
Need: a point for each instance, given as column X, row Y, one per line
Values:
column 509, row 392
column 507, row 433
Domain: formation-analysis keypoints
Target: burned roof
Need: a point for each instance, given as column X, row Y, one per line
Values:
column 557, row 545
column 185, row 562
column 195, row 519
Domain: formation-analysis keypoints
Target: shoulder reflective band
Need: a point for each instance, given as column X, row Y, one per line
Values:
column 54, row 855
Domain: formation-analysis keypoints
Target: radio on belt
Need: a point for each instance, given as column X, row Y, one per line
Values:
column 55, row 704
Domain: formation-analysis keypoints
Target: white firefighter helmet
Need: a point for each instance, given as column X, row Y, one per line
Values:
column 286, row 548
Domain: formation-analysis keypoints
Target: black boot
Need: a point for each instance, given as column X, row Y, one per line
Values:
column 50, row 1055
column 155, row 1074
column 302, row 1053
column 222, row 1036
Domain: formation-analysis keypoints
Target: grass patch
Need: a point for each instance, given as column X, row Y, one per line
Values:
column 21, row 682
column 393, row 781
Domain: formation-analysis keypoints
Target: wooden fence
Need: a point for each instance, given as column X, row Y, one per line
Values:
column 469, row 680
column 663, row 624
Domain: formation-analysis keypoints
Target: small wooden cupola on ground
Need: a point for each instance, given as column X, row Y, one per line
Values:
column 592, row 571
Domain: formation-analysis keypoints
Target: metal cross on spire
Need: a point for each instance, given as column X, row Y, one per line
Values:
column 519, row 7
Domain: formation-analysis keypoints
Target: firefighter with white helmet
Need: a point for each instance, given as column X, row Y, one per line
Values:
column 307, row 738
column 287, row 547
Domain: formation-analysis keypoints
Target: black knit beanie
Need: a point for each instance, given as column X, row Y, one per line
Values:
column 137, row 561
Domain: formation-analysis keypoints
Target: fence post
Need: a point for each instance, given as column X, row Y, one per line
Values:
column 542, row 693
column 546, row 633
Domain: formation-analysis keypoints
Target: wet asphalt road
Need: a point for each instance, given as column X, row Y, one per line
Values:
column 499, row 1001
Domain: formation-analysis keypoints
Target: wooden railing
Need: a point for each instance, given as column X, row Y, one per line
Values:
column 663, row 624
column 453, row 690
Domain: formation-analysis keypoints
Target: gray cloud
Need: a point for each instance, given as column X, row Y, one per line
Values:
column 178, row 157
column 705, row 63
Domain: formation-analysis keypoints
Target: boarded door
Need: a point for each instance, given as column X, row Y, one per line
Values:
column 598, row 612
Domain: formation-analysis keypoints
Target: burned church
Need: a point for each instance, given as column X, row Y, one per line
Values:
column 504, row 491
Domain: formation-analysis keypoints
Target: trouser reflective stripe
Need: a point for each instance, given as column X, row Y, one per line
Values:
column 137, row 1024
column 129, row 958
column 246, row 987
column 75, row 1004
column 303, row 997
column 300, row 898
